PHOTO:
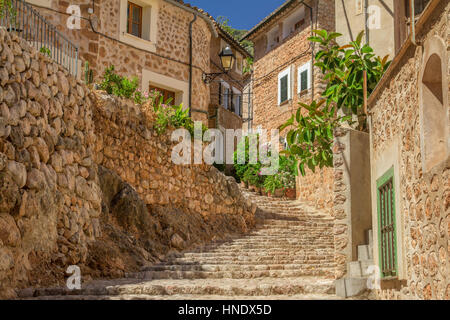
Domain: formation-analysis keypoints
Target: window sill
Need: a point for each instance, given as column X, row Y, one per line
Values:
column 282, row 104
column 304, row 93
column 137, row 42
column 392, row 283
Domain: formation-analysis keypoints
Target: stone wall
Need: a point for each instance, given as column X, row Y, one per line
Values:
column 59, row 208
column 351, row 196
column 127, row 144
column 49, row 197
column 422, row 197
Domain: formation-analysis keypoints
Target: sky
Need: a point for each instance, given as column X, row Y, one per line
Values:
column 243, row 14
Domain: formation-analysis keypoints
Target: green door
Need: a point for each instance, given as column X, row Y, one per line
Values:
column 387, row 235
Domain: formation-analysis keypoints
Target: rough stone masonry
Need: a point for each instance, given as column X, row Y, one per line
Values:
column 55, row 210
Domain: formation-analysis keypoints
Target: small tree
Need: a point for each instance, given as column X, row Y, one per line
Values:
column 310, row 137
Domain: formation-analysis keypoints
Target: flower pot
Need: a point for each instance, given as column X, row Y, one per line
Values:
column 290, row 193
column 279, row 193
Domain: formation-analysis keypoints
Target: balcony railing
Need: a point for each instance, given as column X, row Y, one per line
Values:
column 21, row 18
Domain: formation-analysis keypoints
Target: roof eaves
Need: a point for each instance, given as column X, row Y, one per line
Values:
column 269, row 18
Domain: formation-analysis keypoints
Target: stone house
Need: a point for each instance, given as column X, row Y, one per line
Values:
column 284, row 76
column 387, row 24
column 410, row 163
column 228, row 95
column 149, row 39
column 392, row 194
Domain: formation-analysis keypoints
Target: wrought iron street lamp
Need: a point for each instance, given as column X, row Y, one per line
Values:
column 227, row 59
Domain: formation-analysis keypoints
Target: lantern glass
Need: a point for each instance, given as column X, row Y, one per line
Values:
column 227, row 59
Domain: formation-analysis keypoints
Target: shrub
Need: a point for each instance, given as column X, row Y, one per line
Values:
column 121, row 86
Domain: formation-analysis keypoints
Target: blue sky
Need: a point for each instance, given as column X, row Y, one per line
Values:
column 243, row 14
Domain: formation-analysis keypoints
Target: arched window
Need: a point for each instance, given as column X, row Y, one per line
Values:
column 434, row 104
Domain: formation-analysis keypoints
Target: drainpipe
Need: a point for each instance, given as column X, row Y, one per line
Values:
column 366, row 18
column 413, row 22
column 190, row 64
column 312, row 49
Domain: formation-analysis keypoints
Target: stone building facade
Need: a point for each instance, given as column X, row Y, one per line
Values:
column 284, row 76
column 228, row 101
column 385, row 22
column 409, row 121
column 157, row 51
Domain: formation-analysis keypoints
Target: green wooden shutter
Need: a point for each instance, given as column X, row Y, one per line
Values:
column 220, row 93
column 387, row 231
column 232, row 101
column 284, row 89
column 304, row 80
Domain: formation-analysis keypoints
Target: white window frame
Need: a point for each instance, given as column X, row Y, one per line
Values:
column 41, row 3
column 149, row 25
column 289, row 85
column 305, row 67
column 237, row 95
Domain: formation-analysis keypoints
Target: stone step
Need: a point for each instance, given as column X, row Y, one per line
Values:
column 253, row 247
column 358, row 269
column 350, row 287
column 231, row 267
column 255, row 260
column 188, row 297
column 169, row 274
column 258, row 254
column 226, row 287
column 364, row 253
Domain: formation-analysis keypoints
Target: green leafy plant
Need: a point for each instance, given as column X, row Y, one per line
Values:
column 88, row 74
column 46, row 51
column 6, row 8
column 311, row 130
column 121, row 86
column 272, row 183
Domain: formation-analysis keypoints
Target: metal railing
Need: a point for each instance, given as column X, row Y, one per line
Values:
column 20, row 17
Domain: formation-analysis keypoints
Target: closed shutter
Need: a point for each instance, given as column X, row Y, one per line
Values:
column 284, row 89
column 240, row 105
column 387, row 225
column 220, row 93
column 304, row 80
column 232, row 100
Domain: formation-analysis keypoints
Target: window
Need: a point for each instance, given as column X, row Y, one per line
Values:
column 419, row 6
column 304, row 78
column 42, row 3
column 273, row 38
column 165, row 94
column 237, row 101
column 387, row 231
column 284, row 86
column 238, row 63
column 358, row 7
column 293, row 22
column 139, row 23
column 225, row 95
column 134, row 19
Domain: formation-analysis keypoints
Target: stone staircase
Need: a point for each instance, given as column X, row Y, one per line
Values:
column 357, row 271
column 289, row 255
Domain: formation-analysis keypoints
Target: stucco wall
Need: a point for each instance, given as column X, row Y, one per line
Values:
column 350, row 22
